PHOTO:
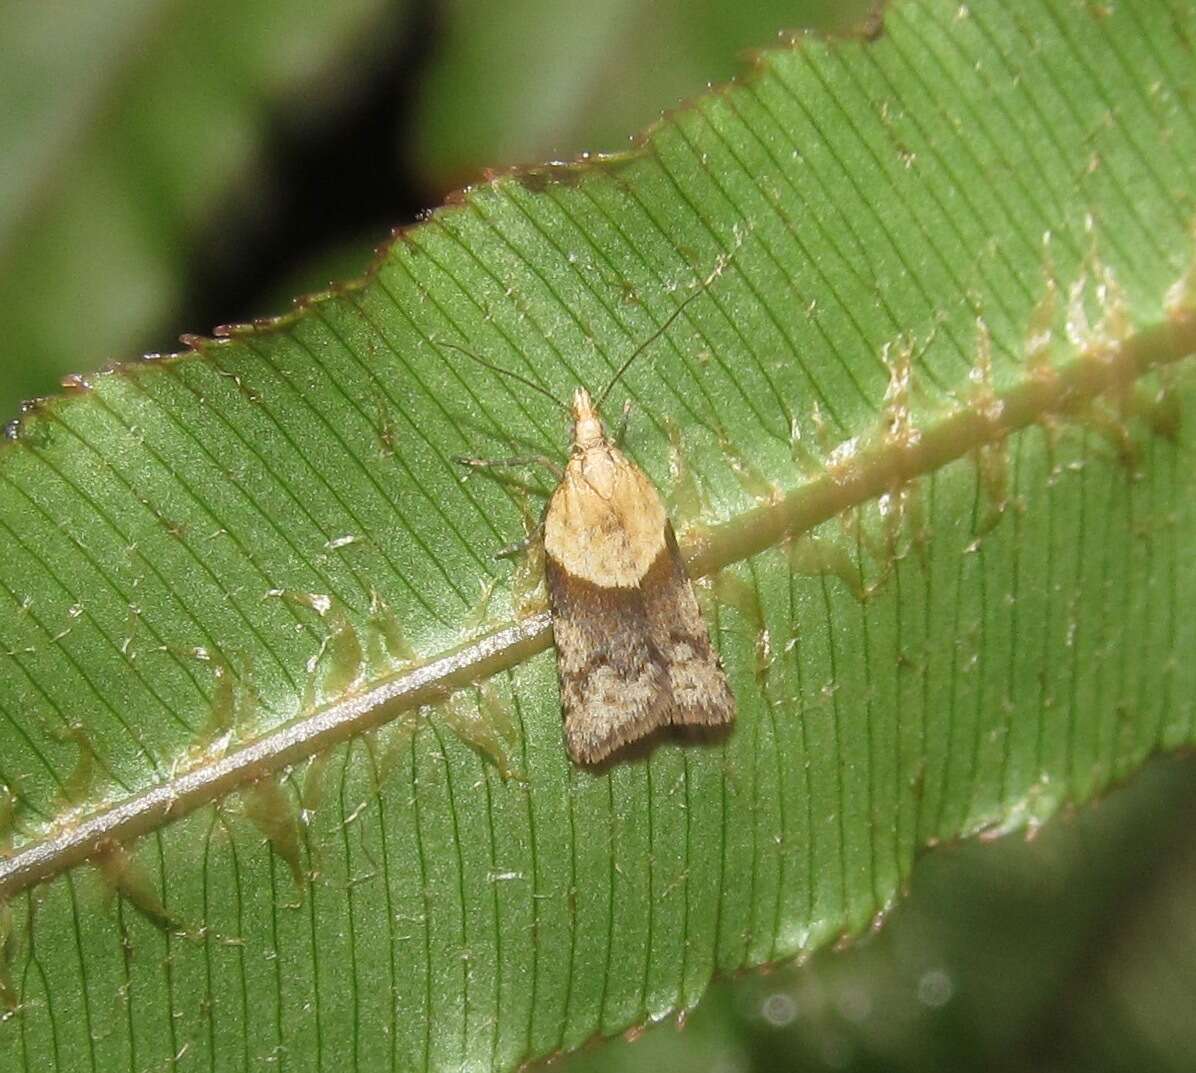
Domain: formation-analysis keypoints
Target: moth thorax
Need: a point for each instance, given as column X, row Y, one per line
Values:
column 587, row 425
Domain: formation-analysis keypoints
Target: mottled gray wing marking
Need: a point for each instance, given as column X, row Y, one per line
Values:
column 698, row 687
column 631, row 659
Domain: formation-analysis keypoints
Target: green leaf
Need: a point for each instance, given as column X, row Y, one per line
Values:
column 923, row 433
column 1066, row 951
column 125, row 123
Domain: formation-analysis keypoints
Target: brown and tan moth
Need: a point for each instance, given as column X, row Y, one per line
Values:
column 633, row 652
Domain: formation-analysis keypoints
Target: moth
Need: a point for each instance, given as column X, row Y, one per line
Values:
column 633, row 651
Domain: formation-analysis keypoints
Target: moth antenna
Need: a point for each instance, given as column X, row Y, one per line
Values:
column 505, row 372
column 720, row 264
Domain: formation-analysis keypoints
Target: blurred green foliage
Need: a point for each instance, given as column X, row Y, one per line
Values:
column 532, row 80
column 125, row 129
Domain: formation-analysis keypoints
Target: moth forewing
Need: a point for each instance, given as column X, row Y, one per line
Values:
column 633, row 652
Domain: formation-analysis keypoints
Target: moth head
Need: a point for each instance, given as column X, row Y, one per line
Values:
column 587, row 425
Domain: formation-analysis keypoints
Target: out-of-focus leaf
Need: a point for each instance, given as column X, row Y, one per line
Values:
column 530, row 80
column 123, row 123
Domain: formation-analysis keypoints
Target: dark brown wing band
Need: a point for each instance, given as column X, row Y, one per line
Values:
column 631, row 659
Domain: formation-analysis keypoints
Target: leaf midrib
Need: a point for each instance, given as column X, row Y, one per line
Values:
column 876, row 467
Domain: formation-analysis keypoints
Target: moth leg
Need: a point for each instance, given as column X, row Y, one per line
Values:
column 535, row 536
column 621, row 431
column 521, row 460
